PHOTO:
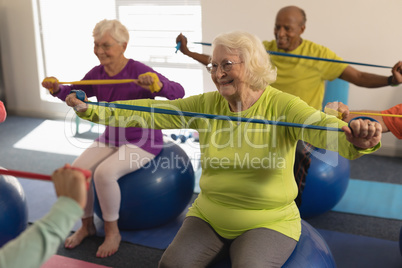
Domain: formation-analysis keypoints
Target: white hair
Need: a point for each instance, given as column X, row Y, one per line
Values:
column 252, row 52
column 114, row 27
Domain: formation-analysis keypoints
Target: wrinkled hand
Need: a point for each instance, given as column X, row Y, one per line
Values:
column 51, row 84
column 77, row 104
column 337, row 109
column 397, row 73
column 71, row 183
column 363, row 134
column 149, row 81
column 183, row 48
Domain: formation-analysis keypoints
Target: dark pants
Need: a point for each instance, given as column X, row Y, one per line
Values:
column 198, row 245
column 302, row 163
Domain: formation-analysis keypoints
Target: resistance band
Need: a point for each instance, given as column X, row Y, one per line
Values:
column 333, row 112
column 389, row 115
column 37, row 176
column 178, row 46
column 92, row 82
column 209, row 116
column 153, row 88
column 310, row 58
column 81, row 96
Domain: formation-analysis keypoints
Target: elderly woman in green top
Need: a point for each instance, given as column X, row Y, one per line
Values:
column 246, row 205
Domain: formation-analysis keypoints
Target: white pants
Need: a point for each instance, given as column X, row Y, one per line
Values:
column 108, row 164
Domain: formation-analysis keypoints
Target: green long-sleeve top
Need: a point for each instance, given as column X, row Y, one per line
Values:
column 41, row 240
column 247, row 176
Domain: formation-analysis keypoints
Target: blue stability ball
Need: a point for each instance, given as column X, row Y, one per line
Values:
column 310, row 251
column 13, row 209
column 326, row 182
column 157, row 193
column 400, row 241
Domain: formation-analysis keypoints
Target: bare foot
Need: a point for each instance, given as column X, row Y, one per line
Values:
column 112, row 240
column 87, row 229
column 109, row 246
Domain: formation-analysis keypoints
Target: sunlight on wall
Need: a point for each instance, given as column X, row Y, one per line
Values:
column 67, row 44
column 67, row 41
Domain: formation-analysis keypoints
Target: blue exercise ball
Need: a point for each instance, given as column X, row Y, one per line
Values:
column 13, row 209
column 326, row 182
column 310, row 251
column 158, row 192
column 400, row 241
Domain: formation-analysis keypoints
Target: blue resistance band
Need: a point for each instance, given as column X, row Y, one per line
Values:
column 178, row 46
column 209, row 116
column 308, row 57
column 81, row 96
column 362, row 118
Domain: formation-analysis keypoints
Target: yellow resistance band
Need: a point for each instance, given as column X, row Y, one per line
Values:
column 92, row 82
column 100, row 82
column 153, row 88
column 389, row 115
column 339, row 115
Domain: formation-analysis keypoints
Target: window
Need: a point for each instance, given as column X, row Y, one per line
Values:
column 153, row 27
column 65, row 29
column 66, row 47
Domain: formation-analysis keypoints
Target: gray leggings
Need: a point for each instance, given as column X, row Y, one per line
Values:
column 198, row 245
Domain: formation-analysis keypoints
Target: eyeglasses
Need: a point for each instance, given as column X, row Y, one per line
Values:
column 104, row 47
column 226, row 66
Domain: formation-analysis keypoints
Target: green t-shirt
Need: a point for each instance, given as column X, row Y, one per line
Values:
column 247, row 176
column 305, row 78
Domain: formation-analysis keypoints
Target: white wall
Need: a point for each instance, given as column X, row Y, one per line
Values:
column 20, row 63
column 365, row 31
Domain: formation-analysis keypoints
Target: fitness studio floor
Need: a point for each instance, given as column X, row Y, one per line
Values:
column 366, row 236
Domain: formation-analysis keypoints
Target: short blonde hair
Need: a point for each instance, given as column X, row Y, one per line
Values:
column 259, row 69
column 114, row 27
